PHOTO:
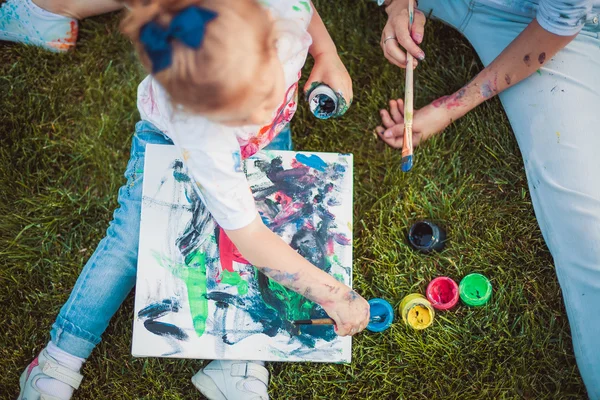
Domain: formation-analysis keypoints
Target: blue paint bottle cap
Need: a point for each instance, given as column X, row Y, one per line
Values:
column 382, row 315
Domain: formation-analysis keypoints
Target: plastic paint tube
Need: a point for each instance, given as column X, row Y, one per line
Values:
column 475, row 290
column 323, row 102
column 416, row 311
column 426, row 237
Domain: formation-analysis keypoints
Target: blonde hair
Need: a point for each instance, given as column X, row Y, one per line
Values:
column 214, row 76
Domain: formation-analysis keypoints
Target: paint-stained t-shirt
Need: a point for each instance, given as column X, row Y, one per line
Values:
column 212, row 152
column 560, row 17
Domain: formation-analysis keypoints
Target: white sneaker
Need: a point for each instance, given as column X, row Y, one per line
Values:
column 22, row 21
column 233, row 380
column 44, row 366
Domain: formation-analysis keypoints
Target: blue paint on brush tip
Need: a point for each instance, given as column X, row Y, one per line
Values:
column 407, row 163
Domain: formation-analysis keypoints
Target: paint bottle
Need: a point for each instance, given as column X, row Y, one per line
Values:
column 425, row 236
column 323, row 102
column 442, row 293
column 382, row 315
column 475, row 290
column 416, row 311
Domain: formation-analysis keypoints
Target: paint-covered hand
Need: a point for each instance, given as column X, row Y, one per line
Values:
column 397, row 32
column 427, row 121
column 330, row 70
column 349, row 311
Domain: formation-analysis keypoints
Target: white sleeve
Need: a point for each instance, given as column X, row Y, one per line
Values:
column 564, row 18
column 211, row 154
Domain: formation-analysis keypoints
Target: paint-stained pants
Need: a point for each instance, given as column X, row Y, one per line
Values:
column 555, row 115
column 110, row 273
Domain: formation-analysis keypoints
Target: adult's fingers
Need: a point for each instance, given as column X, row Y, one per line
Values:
column 396, row 112
column 390, row 47
column 403, row 35
column 418, row 27
column 386, row 119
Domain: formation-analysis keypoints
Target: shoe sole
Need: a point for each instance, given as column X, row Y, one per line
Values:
column 207, row 386
column 56, row 47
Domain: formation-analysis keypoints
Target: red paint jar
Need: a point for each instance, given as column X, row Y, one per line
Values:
column 442, row 293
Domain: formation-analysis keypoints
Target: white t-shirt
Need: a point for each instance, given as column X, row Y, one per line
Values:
column 213, row 152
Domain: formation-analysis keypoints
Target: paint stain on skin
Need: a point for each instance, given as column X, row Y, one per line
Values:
column 542, row 58
column 451, row 102
column 527, row 60
column 507, row 79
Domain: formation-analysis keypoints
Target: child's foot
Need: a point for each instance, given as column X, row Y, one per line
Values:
column 233, row 380
column 48, row 379
column 22, row 21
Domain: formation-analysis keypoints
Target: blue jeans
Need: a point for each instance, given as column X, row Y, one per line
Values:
column 555, row 115
column 110, row 273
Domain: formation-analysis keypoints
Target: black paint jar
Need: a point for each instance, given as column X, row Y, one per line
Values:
column 425, row 236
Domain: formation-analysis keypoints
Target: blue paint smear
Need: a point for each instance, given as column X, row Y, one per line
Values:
column 313, row 161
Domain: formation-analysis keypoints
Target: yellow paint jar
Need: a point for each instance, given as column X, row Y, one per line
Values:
column 417, row 311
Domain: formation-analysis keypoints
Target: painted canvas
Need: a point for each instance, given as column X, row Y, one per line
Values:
column 196, row 296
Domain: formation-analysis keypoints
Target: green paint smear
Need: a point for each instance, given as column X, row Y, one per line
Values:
column 306, row 6
column 295, row 306
column 539, row 72
column 339, row 277
column 193, row 274
column 296, row 8
column 234, row 279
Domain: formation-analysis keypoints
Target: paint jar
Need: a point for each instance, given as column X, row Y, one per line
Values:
column 382, row 315
column 425, row 236
column 323, row 102
column 442, row 293
column 416, row 311
column 475, row 290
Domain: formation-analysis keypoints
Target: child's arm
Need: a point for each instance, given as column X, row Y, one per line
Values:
column 265, row 250
column 328, row 67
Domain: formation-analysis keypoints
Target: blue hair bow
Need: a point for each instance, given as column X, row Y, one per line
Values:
column 188, row 27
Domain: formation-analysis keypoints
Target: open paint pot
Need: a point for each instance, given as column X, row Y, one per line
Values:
column 442, row 293
column 426, row 236
column 382, row 315
column 417, row 311
column 475, row 290
column 323, row 102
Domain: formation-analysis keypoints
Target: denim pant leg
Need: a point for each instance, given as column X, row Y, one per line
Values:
column 110, row 273
column 283, row 141
column 556, row 120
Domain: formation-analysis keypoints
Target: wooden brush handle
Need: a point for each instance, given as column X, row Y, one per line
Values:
column 407, row 146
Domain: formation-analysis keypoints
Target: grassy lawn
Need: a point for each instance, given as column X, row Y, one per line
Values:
column 65, row 128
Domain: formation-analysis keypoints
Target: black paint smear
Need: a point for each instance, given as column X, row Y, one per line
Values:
column 164, row 329
column 542, row 58
column 507, row 79
column 527, row 60
column 158, row 309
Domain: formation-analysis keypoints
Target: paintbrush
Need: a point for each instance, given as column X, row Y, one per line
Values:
column 329, row 321
column 407, row 146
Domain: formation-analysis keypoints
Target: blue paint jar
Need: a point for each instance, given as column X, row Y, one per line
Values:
column 323, row 102
column 382, row 315
column 425, row 236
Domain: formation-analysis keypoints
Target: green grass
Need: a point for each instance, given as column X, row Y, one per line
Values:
column 65, row 131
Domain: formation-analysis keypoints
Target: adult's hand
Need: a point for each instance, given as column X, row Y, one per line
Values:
column 396, row 33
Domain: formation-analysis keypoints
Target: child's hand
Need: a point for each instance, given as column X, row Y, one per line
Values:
column 427, row 121
column 349, row 311
column 330, row 70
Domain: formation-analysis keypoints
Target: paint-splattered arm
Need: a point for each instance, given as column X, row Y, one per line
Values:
column 523, row 57
column 276, row 259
